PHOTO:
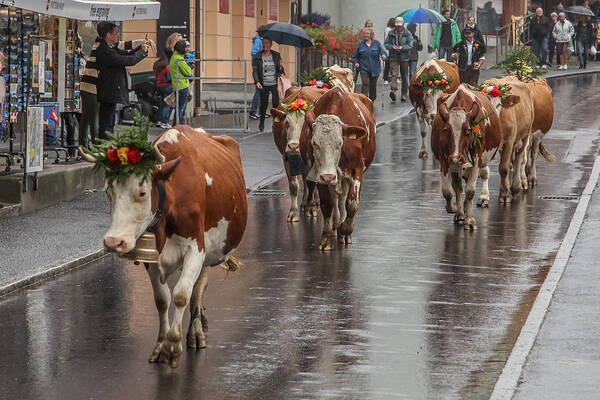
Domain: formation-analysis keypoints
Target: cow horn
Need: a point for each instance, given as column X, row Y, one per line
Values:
column 85, row 156
column 474, row 111
column 160, row 159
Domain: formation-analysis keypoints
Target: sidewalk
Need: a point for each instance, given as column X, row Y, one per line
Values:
column 565, row 360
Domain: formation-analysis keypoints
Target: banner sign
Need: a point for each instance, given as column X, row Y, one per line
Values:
column 174, row 18
column 34, row 148
column 91, row 10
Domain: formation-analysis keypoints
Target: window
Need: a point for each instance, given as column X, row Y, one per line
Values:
column 250, row 8
column 273, row 10
column 224, row 6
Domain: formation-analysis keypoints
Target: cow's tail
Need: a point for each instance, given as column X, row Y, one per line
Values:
column 547, row 154
column 232, row 264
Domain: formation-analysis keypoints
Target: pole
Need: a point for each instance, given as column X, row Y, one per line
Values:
column 177, row 93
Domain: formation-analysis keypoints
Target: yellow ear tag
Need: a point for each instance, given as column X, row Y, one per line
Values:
column 276, row 119
column 352, row 136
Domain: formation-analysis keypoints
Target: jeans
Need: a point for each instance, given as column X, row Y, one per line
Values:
column 386, row 70
column 88, row 127
column 540, row 49
column 582, row 49
column 264, row 101
column 183, row 95
column 70, row 125
column 470, row 76
column 402, row 67
column 255, row 102
column 445, row 52
column 369, row 85
column 108, row 112
column 552, row 51
column 412, row 68
column 165, row 109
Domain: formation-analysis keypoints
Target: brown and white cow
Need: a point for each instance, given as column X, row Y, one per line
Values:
column 461, row 155
column 202, row 221
column 287, row 127
column 543, row 115
column 342, row 77
column 516, row 119
column 424, row 102
column 338, row 144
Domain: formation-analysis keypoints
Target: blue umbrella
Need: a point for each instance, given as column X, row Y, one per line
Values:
column 421, row 16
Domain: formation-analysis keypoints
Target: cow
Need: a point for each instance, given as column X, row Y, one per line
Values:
column 464, row 153
column 338, row 145
column 200, row 185
column 342, row 77
column 425, row 102
column 516, row 119
column 543, row 115
column 287, row 127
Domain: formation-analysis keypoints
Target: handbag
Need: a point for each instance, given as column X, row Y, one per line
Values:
column 283, row 84
column 593, row 51
column 170, row 100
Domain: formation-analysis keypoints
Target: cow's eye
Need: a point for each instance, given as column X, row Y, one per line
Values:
column 142, row 194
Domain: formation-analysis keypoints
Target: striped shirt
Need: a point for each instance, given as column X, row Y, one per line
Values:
column 89, row 80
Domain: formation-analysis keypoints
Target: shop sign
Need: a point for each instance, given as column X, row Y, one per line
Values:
column 174, row 18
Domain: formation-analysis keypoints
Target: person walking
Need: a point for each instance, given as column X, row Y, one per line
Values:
column 112, row 80
column 413, row 58
column 477, row 35
column 540, row 27
column 584, row 37
column 256, row 47
column 386, row 67
column 552, row 41
column 563, row 31
column 162, row 71
column 446, row 36
column 266, row 68
column 399, row 42
column 470, row 55
column 366, row 60
column 180, row 74
column 368, row 25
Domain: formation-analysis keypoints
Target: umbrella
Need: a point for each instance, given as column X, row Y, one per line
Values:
column 421, row 16
column 581, row 10
column 285, row 33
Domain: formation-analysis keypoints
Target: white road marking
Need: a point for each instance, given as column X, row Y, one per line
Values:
column 507, row 383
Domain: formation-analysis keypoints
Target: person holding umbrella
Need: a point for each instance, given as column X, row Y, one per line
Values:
column 584, row 37
column 446, row 36
column 266, row 68
column 366, row 60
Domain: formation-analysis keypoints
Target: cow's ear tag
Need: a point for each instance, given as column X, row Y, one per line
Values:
column 276, row 119
column 352, row 136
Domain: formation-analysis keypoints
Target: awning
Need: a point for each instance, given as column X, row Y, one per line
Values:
column 116, row 10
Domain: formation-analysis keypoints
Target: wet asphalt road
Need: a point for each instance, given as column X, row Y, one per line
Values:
column 415, row 308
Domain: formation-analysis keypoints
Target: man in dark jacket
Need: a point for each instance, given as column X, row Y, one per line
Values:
column 470, row 55
column 476, row 32
column 540, row 28
column 399, row 42
column 112, row 80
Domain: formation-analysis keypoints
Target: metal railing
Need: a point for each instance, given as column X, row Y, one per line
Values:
column 242, row 79
column 514, row 34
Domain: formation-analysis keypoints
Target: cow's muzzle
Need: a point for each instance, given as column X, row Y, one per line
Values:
column 293, row 148
column 115, row 245
column 457, row 160
column 328, row 179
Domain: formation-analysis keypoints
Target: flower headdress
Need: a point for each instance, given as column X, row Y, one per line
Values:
column 126, row 153
column 434, row 81
column 319, row 77
column 501, row 90
column 298, row 106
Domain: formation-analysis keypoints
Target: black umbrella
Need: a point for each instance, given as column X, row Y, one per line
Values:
column 284, row 33
column 580, row 10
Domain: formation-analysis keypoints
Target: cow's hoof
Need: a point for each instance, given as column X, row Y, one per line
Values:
column 423, row 154
column 326, row 244
column 515, row 190
column 204, row 320
column 483, row 203
column 504, row 198
column 314, row 212
column 170, row 352
column 459, row 218
column 532, row 182
column 155, row 356
column 450, row 208
column 195, row 338
column 293, row 216
column 348, row 239
column 470, row 224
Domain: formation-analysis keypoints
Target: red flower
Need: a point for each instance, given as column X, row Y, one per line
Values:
column 313, row 82
column 444, row 82
column 325, row 86
column 112, row 155
column 133, row 155
column 430, row 83
column 300, row 102
column 495, row 92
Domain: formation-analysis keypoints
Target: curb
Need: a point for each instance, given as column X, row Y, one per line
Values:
column 52, row 272
column 508, row 381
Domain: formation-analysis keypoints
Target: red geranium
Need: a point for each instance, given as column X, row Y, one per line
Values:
column 325, row 86
column 133, row 155
column 112, row 155
column 495, row 92
column 430, row 83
